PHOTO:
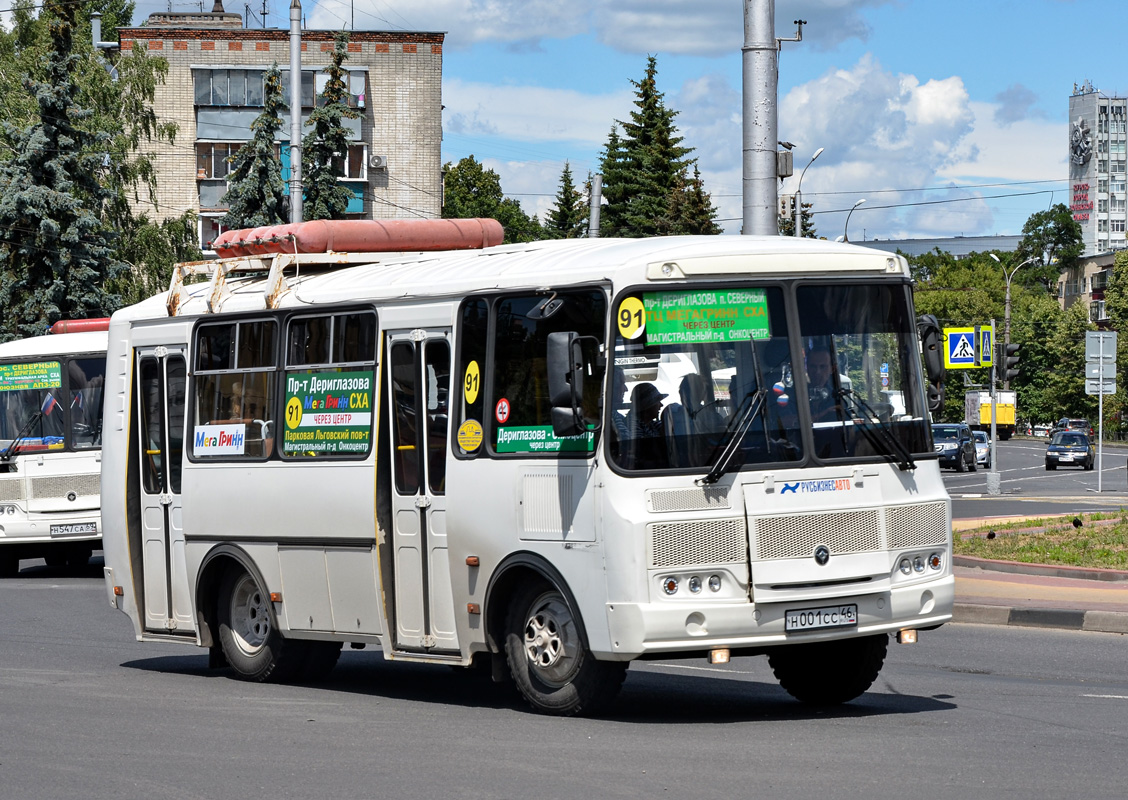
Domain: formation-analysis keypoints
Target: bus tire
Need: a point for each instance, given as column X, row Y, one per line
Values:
column 829, row 673
column 248, row 632
column 549, row 660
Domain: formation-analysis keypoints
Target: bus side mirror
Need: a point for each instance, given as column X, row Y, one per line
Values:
column 566, row 382
column 931, row 344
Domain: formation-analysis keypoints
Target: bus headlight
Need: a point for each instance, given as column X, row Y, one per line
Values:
column 695, row 584
column 918, row 564
column 906, row 566
column 714, row 583
column 670, row 585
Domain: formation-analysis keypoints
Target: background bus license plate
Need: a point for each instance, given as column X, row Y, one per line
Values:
column 811, row 619
column 77, row 527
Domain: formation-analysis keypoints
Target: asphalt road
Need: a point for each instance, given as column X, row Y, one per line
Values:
column 970, row 711
column 1028, row 488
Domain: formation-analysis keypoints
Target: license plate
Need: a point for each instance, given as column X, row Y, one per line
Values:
column 813, row 619
column 1065, row 458
column 77, row 527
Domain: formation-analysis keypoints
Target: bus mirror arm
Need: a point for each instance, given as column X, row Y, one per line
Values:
column 565, row 363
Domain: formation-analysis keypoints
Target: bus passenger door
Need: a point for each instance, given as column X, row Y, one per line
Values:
column 161, row 387
column 419, row 388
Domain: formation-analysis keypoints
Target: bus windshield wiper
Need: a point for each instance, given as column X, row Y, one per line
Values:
column 877, row 433
column 9, row 451
column 750, row 407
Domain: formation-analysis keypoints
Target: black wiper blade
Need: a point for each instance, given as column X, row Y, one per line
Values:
column 878, row 433
column 752, row 404
column 9, row 451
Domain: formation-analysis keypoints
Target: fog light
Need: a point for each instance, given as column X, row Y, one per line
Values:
column 670, row 585
column 935, row 561
column 695, row 584
column 719, row 656
column 906, row 637
column 714, row 583
column 918, row 564
column 906, row 566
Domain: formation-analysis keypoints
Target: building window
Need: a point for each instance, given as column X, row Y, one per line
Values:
column 1102, row 186
column 1116, row 225
column 1117, row 185
column 1118, row 167
column 211, row 158
column 1117, row 205
column 1096, row 310
column 1102, row 165
column 1102, row 226
column 228, row 87
column 1102, row 206
column 313, row 83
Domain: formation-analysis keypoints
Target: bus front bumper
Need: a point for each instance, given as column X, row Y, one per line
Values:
column 639, row 629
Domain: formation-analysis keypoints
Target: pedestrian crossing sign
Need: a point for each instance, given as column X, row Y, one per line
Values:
column 960, row 350
column 986, row 345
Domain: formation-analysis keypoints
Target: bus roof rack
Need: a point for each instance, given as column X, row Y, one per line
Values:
column 272, row 248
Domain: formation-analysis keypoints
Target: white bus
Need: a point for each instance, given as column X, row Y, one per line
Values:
column 464, row 456
column 51, row 445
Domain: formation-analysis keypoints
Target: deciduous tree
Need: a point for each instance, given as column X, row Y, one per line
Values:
column 470, row 190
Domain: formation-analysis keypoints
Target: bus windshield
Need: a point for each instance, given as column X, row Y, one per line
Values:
column 698, row 372
column 39, row 412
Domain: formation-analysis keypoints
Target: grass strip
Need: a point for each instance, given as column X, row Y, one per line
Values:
column 1100, row 542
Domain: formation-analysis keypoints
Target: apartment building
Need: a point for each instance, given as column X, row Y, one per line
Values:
column 214, row 91
column 1098, row 167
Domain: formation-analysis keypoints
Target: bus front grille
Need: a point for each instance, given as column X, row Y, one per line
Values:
column 55, row 486
column 11, row 489
column 857, row 531
column 700, row 542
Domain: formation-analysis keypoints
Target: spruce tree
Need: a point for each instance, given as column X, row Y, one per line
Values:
column 56, row 255
column 691, row 210
column 645, row 164
column 567, row 219
column 325, row 148
column 255, row 193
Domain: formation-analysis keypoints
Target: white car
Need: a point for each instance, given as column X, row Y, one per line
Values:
column 982, row 448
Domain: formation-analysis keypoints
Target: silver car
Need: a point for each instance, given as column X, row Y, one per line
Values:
column 982, row 449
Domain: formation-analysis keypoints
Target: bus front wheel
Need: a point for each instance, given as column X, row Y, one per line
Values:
column 248, row 634
column 549, row 661
column 829, row 673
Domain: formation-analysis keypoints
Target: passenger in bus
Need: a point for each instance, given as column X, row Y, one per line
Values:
column 820, row 385
column 646, row 440
column 693, row 425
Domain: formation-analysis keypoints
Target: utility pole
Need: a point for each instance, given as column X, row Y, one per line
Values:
column 295, row 111
column 760, row 65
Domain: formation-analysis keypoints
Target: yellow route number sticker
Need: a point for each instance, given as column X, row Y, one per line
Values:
column 293, row 413
column 472, row 382
column 632, row 318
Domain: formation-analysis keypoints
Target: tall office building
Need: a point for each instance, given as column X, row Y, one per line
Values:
column 1098, row 142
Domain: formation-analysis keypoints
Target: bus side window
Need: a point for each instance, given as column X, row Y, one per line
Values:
column 234, row 383
column 519, row 372
column 470, row 411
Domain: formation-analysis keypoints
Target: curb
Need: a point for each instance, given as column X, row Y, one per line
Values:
column 1096, row 621
column 1048, row 570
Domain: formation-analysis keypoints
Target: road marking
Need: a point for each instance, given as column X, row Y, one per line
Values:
column 1107, row 696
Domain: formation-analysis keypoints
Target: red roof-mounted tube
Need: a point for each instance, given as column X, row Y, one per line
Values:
column 361, row 236
column 80, row 325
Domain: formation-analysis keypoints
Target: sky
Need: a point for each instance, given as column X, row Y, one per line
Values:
column 948, row 117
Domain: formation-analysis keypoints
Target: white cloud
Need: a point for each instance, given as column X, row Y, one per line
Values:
column 532, row 114
column 700, row 27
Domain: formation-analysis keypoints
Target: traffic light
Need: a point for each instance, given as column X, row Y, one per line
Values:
column 1006, row 361
column 787, row 206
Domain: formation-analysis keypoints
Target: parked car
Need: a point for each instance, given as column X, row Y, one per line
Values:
column 953, row 442
column 1070, row 448
column 982, row 448
column 1081, row 425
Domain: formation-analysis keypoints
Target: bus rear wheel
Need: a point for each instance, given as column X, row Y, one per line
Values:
column 829, row 673
column 249, row 634
column 549, row 660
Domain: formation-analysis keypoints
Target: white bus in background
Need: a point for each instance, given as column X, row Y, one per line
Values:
column 51, row 445
column 462, row 455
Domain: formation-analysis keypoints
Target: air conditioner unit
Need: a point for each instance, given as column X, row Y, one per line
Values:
column 378, row 162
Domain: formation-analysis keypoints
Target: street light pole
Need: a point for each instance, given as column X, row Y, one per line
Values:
column 798, row 197
column 846, row 228
column 1007, row 304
